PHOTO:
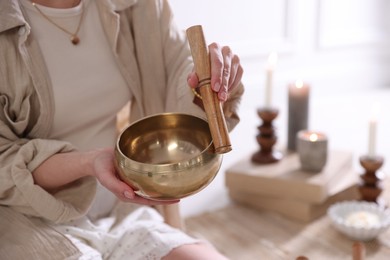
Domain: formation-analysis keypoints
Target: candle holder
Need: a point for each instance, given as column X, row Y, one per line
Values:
column 371, row 187
column 312, row 148
column 266, row 138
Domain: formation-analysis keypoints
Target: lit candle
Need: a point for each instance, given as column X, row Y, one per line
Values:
column 313, row 137
column 362, row 219
column 272, row 59
column 312, row 148
column 298, row 111
column 372, row 131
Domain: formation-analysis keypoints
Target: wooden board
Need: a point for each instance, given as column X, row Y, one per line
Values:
column 285, row 179
column 244, row 233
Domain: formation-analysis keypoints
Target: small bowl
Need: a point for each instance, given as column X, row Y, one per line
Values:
column 359, row 220
column 167, row 156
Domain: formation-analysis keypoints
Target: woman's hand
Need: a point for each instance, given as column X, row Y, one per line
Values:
column 226, row 71
column 64, row 168
column 104, row 170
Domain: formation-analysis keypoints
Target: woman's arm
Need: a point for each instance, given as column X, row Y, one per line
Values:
column 61, row 169
column 64, row 168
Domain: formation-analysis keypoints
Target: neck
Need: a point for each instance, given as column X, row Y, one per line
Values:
column 57, row 3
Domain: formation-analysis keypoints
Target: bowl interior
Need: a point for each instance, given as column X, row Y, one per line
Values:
column 165, row 139
column 359, row 220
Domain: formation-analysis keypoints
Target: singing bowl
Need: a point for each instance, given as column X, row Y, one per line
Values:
column 167, row 156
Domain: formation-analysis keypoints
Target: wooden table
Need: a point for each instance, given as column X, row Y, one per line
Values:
column 244, row 233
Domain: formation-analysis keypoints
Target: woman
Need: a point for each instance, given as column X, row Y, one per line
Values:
column 67, row 67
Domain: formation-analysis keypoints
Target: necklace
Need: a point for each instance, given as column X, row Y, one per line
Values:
column 74, row 38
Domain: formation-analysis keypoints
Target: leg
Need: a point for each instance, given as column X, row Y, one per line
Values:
column 195, row 252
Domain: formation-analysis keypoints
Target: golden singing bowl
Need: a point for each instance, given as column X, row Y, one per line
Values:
column 167, row 156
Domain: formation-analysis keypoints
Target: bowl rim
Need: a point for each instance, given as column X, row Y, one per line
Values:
column 206, row 153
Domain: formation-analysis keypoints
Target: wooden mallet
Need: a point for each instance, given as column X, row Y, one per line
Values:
column 211, row 103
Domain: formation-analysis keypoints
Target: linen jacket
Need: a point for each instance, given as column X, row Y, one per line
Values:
column 154, row 59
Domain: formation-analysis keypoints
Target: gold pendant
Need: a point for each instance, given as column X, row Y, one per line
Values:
column 75, row 39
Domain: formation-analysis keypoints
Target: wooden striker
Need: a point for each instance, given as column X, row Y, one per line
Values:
column 211, row 103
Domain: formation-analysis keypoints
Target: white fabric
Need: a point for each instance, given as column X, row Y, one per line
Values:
column 123, row 234
column 139, row 235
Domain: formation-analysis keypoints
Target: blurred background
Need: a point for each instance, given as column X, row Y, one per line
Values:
column 340, row 48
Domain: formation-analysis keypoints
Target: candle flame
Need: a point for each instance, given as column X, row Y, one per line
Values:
column 272, row 59
column 313, row 137
column 299, row 84
column 374, row 112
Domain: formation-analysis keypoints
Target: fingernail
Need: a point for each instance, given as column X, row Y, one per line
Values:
column 128, row 195
column 217, row 86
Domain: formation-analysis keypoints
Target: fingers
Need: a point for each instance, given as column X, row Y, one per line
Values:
column 193, row 80
column 226, row 70
column 104, row 171
column 217, row 68
column 139, row 200
column 128, row 195
column 125, row 193
column 236, row 72
column 109, row 180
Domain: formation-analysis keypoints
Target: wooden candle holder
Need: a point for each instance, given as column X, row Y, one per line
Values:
column 371, row 187
column 266, row 138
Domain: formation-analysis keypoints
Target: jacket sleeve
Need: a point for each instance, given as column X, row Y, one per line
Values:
column 179, row 64
column 19, row 156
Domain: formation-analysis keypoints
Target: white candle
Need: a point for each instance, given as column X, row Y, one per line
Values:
column 272, row 59
column 372, row 131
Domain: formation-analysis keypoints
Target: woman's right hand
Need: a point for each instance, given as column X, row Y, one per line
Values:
column 104, row 170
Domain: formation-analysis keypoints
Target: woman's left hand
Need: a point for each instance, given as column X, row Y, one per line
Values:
column 226, row 71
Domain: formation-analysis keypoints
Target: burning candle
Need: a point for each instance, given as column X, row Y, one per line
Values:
column 313, row 137
column 312, row 148
column 372, row 131
column 272, row 59
column 298, row 111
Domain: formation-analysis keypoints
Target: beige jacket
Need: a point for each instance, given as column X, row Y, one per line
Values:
column 154, row 59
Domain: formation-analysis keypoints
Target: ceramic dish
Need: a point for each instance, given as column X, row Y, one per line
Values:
column 359, row 220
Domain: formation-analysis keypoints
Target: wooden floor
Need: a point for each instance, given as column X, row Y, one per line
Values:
column 243, row 233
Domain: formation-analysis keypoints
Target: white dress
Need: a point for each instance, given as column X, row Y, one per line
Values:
column 88, row 92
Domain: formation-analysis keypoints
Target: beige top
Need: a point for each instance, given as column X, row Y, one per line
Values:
column 154, row 60
column 85, row 107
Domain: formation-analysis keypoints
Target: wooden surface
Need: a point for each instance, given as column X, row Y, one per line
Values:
column 244, row 233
